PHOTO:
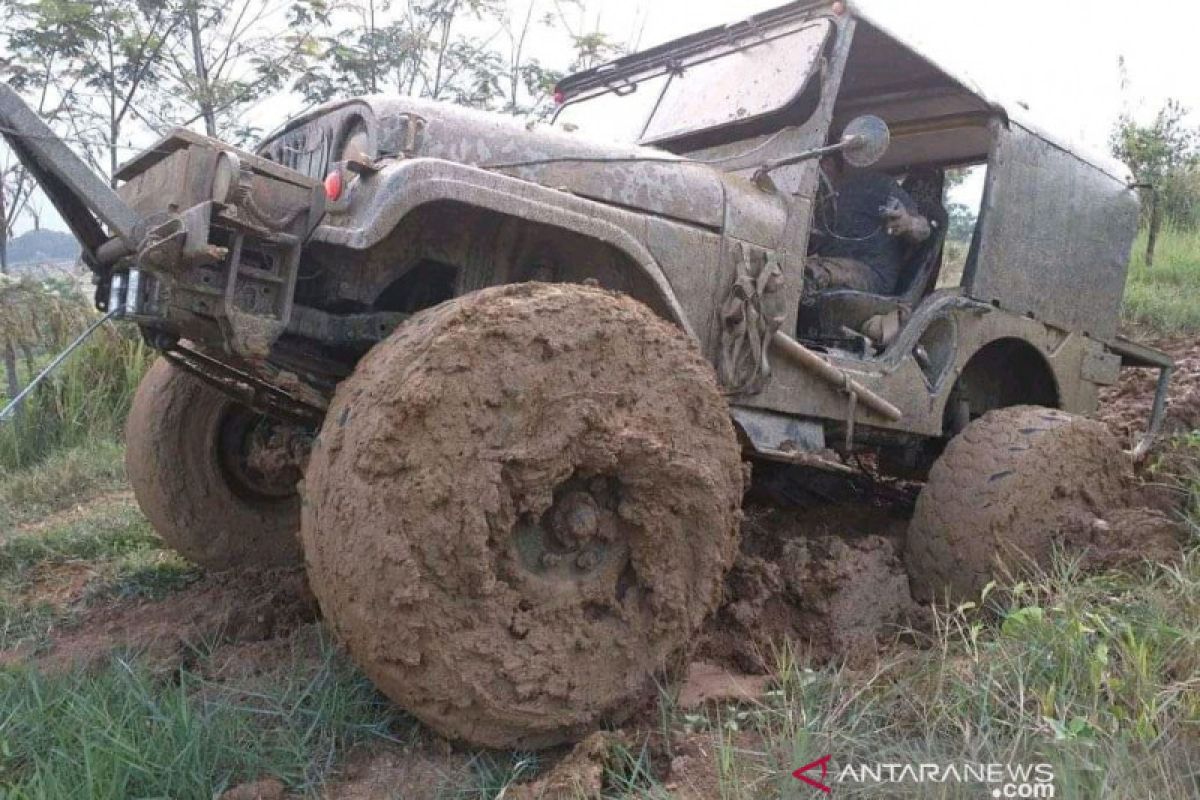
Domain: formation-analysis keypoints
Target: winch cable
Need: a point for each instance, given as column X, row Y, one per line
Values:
column 6, row 412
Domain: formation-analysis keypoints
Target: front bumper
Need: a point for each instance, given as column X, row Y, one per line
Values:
column 224, row 231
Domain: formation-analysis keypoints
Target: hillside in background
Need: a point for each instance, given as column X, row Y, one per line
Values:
column 41, row 246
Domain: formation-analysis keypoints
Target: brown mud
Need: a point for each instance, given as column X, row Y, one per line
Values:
column 1125, row 407
column 236, row 608
column 543, row 484
column 826, row 578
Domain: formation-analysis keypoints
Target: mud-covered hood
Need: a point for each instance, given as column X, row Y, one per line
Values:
column 641, row 178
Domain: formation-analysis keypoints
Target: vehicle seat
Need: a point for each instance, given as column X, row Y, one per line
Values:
column 830, row 313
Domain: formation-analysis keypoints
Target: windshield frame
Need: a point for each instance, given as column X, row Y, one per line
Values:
column 613, row 80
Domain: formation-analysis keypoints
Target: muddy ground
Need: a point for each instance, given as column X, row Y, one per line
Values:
column 820, row 568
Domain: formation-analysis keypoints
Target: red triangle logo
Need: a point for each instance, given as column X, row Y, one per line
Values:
column 823, row 763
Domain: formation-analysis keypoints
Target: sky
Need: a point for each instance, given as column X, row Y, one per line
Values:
column 1059, row 57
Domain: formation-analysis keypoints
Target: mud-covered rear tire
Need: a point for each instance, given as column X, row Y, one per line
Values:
column 520, row 509
column 1016, row 483
column 182, row 455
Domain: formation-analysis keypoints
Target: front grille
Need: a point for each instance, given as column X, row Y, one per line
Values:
column 305, row 150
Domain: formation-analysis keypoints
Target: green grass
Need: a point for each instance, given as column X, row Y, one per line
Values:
column 1097, row 676
column 125, row 731
column 126, row 728
column 124, row 557
column 84, row 402
column 110, row 534
column 60, row 481
column 1165, row 298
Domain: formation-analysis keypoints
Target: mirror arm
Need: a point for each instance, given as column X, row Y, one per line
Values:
column 760, row 175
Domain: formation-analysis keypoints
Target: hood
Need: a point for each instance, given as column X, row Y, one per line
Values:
column 642, row 178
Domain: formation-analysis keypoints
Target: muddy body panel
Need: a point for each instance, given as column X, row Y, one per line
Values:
column 954, row 332
column 1057, row 235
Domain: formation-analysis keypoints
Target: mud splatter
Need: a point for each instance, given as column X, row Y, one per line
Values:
column 709, row 683
column 414, row 773
column 579, row 775
column 1129, row 536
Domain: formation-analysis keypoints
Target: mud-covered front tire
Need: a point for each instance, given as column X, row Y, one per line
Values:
column 520, row 509
column 1016, row 483
column 185, row 454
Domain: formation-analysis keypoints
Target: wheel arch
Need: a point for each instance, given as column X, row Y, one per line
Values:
column 434, row 213
column 1006, row 371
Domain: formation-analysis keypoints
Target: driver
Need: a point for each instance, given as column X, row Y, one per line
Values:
column 865, row 228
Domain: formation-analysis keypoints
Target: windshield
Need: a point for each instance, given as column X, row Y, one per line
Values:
column 733, row 83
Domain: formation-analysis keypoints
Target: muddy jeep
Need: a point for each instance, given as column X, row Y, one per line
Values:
column 495, row 383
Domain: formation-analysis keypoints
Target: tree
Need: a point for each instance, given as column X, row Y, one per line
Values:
column 420, row 48
column 224, row 55
column 1161, row 156
column 591, row 45
column 108, row 53
column 12, row 387
column 419, row 53
column 529, row 85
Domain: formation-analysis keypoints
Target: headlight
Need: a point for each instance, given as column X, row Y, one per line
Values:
column 356, row 144
column 225, row 177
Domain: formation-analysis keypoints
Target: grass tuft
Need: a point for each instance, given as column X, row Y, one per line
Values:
column 85, row 401
column 64, row 479
column 125, row 731
column 107, row 535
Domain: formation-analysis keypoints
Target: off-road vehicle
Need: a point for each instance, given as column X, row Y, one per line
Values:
column 495, row 383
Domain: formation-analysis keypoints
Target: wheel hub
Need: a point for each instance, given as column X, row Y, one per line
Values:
column 262, row 457
column 577, row 536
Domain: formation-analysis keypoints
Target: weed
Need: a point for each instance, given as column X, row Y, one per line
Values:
column 85, row 401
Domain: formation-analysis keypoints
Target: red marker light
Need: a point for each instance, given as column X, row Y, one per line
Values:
column 559, row 97
column 333, row 185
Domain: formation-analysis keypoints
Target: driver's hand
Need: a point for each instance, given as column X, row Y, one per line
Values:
column 899, row 222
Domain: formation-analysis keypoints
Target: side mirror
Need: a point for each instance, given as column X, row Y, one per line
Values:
column 865, row 141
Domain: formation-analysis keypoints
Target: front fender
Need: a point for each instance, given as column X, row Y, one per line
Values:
column 381, row 201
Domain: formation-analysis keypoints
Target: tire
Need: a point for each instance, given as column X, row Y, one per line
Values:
column 520, row 508
column 182, row 440
column 1015, row 484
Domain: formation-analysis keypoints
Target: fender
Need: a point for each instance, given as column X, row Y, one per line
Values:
column 400, row 190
